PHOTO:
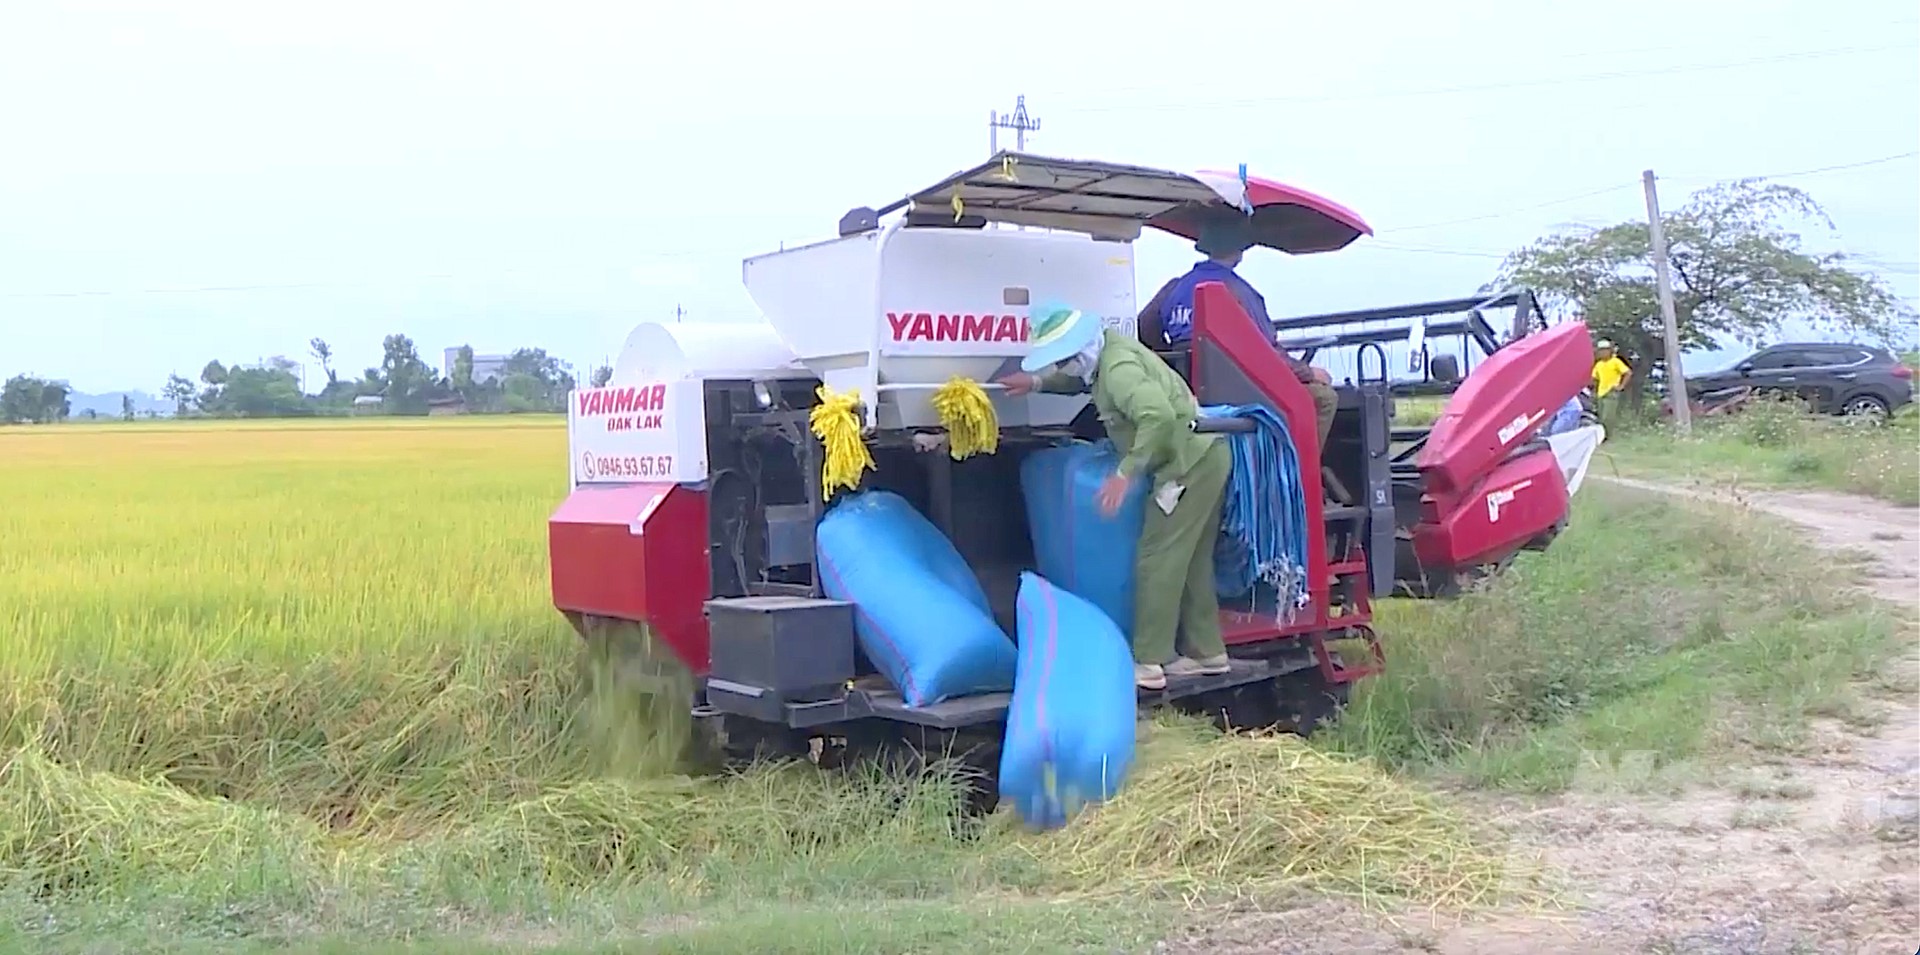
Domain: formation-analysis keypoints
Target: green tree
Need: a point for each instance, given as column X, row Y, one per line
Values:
column 407, row 379
column 27, row 399
column 460, row 378
column 179, row 391
column 214, row 376
column 53, row 401
column 271, row 392
column 126, row 407
column 1739, row 272
column 323, row 353
column 544, row 381
column 601, row 376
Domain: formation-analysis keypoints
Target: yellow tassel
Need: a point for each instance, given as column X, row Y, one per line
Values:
column 838, row 429
column 968, row 415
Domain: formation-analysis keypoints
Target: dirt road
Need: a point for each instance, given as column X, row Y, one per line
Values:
column 1886, row 536
column 1812, row 854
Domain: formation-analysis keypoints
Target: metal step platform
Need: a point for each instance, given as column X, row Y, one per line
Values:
column 872, row 698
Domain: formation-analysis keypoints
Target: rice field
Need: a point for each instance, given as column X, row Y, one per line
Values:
column 342, row 621
column 322, row 654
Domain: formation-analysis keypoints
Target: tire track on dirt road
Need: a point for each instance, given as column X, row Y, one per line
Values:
column 1816, row 852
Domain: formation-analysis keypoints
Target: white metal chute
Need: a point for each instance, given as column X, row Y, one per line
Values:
column 677, row 351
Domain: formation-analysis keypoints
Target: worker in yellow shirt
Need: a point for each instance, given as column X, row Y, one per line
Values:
column 1610, row 375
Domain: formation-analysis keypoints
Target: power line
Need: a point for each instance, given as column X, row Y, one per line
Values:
column 1507, row 212
column 1632, row 185
column 1504, row 85
column 1817, row 170
column 1465, row 253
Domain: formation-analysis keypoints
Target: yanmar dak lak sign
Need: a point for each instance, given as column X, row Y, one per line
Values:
column 652, row 432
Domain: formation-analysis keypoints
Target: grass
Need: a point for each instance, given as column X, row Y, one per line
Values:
column 1777, row 444
column 1417, row 411
column 1592, row 665
column 300, row 683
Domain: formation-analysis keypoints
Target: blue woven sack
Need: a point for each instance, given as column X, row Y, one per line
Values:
column 1070, row 727
column 920, row 614
column 1073, row 545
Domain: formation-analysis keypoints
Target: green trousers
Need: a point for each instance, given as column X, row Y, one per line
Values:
column 1173, row 574
column 1607, row 409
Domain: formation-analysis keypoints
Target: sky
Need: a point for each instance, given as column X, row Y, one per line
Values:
column 194, row 179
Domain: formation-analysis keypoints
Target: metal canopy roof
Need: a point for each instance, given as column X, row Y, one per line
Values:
column 1113, row 200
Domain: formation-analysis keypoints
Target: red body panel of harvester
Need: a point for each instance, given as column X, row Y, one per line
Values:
column 635, row 552
column 1223, row 333
column 1485, row 492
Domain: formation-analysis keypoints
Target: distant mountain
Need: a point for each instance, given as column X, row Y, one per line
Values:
column 107, row 404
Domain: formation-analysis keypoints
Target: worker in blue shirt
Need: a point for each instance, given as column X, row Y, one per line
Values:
column 1167, row 319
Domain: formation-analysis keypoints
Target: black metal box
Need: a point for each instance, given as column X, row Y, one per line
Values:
column 799, row 648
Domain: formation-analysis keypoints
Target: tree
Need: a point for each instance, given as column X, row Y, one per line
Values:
column 1738, row 273
column 460, row 376
column 535, row 381
column 25, row 398
column 214, row 376
column 271, row 392
column 323, row 353
column 179, row 391
column 601, row 376
column 407, row 379
column 126, row 407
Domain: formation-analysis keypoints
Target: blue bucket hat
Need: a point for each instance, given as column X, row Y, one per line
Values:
column 1059, row 333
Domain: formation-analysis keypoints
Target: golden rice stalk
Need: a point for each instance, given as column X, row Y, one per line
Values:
column 84, row 832
column 1244, row 815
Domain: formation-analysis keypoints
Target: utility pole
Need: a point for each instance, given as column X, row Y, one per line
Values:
column 1018, row 121
column 679, row 314
column 1663, row 279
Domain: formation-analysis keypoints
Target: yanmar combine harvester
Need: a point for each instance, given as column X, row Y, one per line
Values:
column 696, row 479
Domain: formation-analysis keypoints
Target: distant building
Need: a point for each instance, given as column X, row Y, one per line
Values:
column 446, row 406
column 485, row 367
column 366, row 404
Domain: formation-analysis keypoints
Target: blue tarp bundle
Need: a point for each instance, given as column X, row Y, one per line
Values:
column 919, row 611
column 1070, row 727
column 1264, row 523
column 1073, row 545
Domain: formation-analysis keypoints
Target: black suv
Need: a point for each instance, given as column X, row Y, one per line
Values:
column 1834, row 378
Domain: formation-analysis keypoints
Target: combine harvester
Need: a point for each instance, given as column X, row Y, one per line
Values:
column 697, row 481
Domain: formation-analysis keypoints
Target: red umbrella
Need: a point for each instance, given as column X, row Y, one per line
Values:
column 1284, row 217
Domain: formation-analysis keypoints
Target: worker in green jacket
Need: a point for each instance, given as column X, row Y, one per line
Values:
column 1148, row 411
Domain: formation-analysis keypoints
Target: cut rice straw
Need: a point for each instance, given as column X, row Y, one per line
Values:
column 1260, row 815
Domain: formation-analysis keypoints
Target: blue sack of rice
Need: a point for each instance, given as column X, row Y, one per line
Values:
column 1073, row 545
column 919, row 612
column 1070, row 726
